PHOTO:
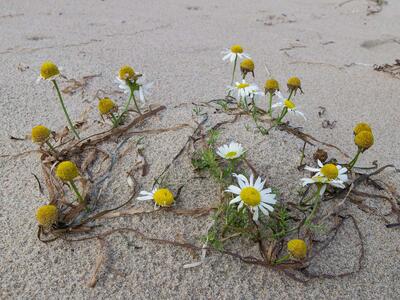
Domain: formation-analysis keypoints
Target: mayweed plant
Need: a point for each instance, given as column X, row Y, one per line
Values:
column 249, row 206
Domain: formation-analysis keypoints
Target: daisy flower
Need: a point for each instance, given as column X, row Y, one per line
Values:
column 231, row 151
column 143, row 88
column 244, row 89
column 161, row 197
column 287, row 104
column 49, row 71
column 235, row 52
column 253, row 195
column 331, row 174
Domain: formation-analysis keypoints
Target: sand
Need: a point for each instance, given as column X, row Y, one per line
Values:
column 329, row 45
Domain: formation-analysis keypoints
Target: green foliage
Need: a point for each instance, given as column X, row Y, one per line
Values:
column 279, row 222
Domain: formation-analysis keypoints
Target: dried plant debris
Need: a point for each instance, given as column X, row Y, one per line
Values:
column 289, row 234
column 78, row 85
column 375, row 6
column 392, row 69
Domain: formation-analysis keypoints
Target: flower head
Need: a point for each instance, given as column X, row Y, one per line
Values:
column 162, row 197
column 47, row 215
column 288, row 104
column 364, row 140
column 321, row 155
column 234, row 53
column 126, row 73
column 40, row 134
column 247, row 66
column 231, row 151
column 67, row 171
column 253, row 195
column 49, row 70
column 297, row 248
column 361, row 127
column 244, row 89
column 141, row 87
column 106, row 106
column 271, row 86
column 331, row 174
column 294, row 84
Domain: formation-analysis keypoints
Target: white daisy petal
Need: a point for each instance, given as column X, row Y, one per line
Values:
column 233, row 189
column 235, row 200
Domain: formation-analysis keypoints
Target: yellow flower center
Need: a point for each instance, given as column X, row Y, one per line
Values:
column 237, row 49
column 242, row 85
column 364, row 140
column 289, row 104
column 163, row 197
column 40, row 134
column 106, row 105
column 48, row 70
column 250, row 196
column 67, row 171
column 231, row 154
column 247, row 65
column 294, row 83
column 297, row 248
column 47, row 215
column 126, row 73
column 361, row 127
column 271, row 85
column 330, row 171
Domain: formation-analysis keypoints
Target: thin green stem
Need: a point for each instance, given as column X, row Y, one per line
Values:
column 270, row 104
column 73, row 186
column 114, row 119
column 51, row 146
column 65, row 109
column 234, row 69
column 354, row 160
column 317, row 197
column 291, row 94
column 282, row 259
column 283, row 114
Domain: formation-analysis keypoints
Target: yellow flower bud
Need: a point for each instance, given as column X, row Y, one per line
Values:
column 294, row 84
column 49, row 70
column 247, row 66
column 67, row 171
column 361, row 127
column 47, row 215
column 106, row 105
column 271, row 86
column 297, row 248
column 40, row 134
column 364, row 140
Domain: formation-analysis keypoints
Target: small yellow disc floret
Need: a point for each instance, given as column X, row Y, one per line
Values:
column 294, row 83
column 364, row 140
column 126, row 73
column 361, row 127
column 106, row 105
column 289, row 104
column 231, row 154
column 247, row 65
column 49, row 70
column 237, row 49
column 47, row 215
column 250, row 196
column 271, row 86
column 40, row 134
column 242, row 85
column 297, row 248
column 67, row 171
column 163, row 197
column 330, row 171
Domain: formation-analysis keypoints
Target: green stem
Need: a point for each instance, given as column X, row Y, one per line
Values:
column 290, row 95
column 284, row 112
column 282, row 259
column 114, row 119
column 315, row 207
column 51, row 146
column 73, row 186
column 234, row 69
column 354, row 160
column 65, row 109
column 270, row 104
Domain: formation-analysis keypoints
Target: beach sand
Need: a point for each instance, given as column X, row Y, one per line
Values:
column 331, row 46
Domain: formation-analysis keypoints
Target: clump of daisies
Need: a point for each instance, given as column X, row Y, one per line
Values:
column 134, row 84
column 49, row 71
column 363, row 139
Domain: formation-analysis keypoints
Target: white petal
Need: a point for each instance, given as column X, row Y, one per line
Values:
column 233, row 189
column 234, row 200
column 255, row 214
